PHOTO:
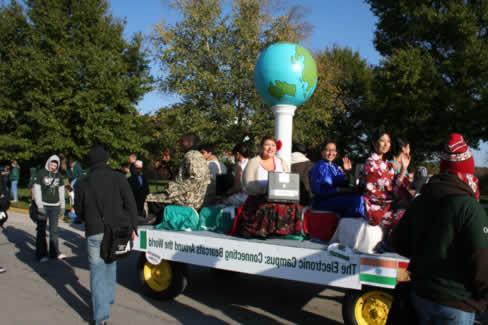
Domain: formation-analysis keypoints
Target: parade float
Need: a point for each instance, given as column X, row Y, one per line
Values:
column 285, row 77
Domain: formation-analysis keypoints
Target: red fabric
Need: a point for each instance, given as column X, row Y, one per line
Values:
column 262, row 219
column 320, row 224
column 233, row 230
column 382, row 186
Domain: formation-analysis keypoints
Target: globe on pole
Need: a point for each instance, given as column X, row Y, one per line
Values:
column 285, row 74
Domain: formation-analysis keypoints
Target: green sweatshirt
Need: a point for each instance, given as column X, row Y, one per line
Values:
column 14, row 174
column 445, row 234
column 49, row 187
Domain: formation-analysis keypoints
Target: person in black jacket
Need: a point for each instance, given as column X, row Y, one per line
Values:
column 103, row 193
column 139, row 186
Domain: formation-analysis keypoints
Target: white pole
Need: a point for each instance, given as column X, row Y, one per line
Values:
column 284, row 129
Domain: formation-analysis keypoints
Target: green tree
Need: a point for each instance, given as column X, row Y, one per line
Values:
column 209, row 61
column 69, row 80
column 339, row 108
column 434, row 79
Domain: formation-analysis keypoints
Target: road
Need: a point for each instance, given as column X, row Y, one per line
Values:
column 57, row 292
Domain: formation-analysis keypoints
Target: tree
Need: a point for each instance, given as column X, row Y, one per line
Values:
column 434, row 79
column 69, row 80
column 209, row 61
column 339, row 108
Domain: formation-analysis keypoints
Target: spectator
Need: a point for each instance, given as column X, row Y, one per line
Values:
column 108, row 191
column 4, row 205
column 49, row 197
column 444, row 233
column 132, row 160
column 237, row 195
column 192, row 180
column 216, row 168
column 139, row 186
column 14, row 177
column 164, row 167
column 301, row 165
column 260, row 218
column 74, row 171
column 331, row 186
column 4, row 176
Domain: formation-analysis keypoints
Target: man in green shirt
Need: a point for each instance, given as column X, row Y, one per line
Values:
column 50, row 201
column 444, row 232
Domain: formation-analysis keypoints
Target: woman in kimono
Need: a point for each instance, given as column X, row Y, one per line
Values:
column 383, row 184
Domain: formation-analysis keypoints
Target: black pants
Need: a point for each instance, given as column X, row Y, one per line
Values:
column 52, row 214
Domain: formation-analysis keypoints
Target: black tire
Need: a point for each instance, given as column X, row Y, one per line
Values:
column 353, row 306
column 171, row 287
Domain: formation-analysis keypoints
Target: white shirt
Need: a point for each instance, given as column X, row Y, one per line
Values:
column 263, row 173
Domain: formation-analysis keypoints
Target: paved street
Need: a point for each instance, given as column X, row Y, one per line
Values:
column 57, row 292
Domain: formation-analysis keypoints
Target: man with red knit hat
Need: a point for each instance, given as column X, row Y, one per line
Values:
column 444, row 232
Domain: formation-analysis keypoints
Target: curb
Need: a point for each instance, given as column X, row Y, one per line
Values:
column 19, row 210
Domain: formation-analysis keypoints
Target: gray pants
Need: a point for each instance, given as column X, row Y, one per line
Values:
column 52, row 215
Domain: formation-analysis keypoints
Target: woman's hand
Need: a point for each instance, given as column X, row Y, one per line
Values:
column 405, row 161
column 347, row 164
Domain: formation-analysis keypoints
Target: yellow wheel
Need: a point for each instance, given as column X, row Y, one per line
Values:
column 367, row 307
column 158, row 277
column 163, row 281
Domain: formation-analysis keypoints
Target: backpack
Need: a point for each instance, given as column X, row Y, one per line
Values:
column 3, row 218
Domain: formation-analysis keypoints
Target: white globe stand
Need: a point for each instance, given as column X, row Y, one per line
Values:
column 284, row 129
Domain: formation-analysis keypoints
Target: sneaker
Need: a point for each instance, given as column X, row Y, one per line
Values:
column 2, row 270
column 61, row 256
column 44, row 259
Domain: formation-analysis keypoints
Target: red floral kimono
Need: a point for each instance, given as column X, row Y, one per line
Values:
column 382, row 186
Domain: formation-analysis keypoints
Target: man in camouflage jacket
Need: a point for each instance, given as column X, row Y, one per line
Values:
column 192, row 180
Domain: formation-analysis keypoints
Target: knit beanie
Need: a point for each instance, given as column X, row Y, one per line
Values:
column 97, row 154
column 456, row 156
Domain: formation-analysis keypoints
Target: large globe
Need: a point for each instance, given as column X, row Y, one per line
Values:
column 285, row 74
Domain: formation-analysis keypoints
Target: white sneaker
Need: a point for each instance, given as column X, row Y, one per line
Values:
column 44, row 259
column 2, row 269
column 61, row 256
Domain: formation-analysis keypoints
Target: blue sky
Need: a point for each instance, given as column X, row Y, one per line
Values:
column 335, row 22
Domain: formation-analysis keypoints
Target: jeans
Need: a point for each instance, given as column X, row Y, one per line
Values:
column 103, row 279
column 52, row 215
column 13, row 190
column 431, row 313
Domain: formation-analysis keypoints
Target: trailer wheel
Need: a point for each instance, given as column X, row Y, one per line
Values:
column 369, row 306
column 163, row 281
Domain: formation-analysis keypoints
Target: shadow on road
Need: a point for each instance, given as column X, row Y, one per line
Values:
column 242, row 298
column 59, row 274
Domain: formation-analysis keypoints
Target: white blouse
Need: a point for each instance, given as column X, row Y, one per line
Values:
column 263, row 173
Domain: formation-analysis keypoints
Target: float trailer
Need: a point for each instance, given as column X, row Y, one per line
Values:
column 369, row 279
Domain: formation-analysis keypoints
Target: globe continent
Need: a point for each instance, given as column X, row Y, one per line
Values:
column 285, row 74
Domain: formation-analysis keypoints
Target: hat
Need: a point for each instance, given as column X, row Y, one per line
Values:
column 456, row 156
column 138, row 164
column 97, row 154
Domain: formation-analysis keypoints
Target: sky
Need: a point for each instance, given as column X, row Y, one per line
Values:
column 335, row 22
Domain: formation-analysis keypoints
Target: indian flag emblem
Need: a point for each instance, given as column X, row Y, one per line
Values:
column 378, row 272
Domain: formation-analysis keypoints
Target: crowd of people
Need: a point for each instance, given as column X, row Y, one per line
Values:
column 379, row 193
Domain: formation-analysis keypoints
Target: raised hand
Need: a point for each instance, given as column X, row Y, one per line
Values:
column 347, row 164
column 405, row 161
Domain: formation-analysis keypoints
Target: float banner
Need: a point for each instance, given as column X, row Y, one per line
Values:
column 378, row 272
column 260, row 258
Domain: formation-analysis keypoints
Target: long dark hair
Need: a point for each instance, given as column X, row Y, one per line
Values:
column 400, row 143
column 376, row 137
